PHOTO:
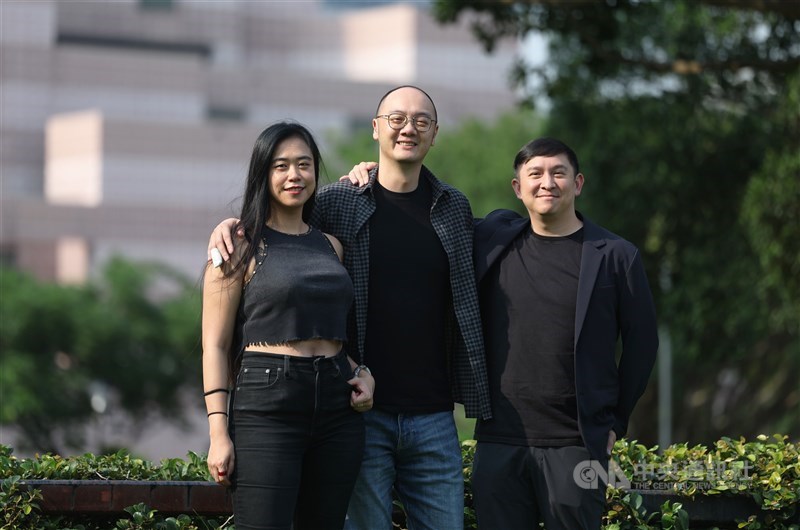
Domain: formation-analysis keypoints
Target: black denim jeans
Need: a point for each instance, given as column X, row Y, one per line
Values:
column 297, row 441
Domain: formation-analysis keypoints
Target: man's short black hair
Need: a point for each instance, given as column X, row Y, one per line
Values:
column 545, row 147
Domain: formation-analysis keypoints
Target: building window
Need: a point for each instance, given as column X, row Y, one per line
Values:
column 164, row 5
column 215, row 113
column 8, row 256
column 359, row 125
column 190, row 48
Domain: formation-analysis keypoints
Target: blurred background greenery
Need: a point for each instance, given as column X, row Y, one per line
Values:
column 685, row 115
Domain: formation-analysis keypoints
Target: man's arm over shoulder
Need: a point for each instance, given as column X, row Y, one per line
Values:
column 328, row 198
column 639, row 331
column 502, row 214
column 494, row 220
column 337, row 210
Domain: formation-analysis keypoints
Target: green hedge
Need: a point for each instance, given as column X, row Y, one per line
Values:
column 766, row 470
column 20, row 507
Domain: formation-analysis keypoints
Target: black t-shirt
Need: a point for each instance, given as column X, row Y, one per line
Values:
column 408, row 301
column 528, row 301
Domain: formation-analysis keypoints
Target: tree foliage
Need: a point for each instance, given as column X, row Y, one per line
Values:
column 114, row 341
column 686, row 117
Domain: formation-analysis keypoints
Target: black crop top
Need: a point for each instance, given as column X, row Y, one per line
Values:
column 299, row 291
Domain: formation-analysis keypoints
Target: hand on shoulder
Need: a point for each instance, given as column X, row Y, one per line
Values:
column 359, row 175
column 222, row 240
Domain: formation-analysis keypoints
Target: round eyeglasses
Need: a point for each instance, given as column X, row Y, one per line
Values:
column 397, row 121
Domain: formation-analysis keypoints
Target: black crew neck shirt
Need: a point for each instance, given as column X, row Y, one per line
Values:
column 528, row 301
column 408, row 300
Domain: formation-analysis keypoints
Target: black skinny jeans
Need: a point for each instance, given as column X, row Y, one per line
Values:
column 297, row 441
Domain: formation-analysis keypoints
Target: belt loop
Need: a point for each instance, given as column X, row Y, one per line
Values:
column 336, row 361
column 286, row 367
column 336, row 366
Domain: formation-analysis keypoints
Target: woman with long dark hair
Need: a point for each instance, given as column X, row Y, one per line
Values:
column 274, row 321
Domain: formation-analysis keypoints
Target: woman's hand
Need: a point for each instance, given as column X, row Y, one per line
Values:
column 221, row 459
column 363, row 389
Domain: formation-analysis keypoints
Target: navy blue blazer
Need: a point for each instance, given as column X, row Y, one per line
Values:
column 614, row 301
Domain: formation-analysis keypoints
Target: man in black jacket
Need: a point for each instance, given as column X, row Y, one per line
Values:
column 557, row 293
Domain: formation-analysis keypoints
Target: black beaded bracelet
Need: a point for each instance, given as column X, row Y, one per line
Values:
column 216, row 390
column 217, row 412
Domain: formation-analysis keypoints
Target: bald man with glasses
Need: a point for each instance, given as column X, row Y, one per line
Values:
column 407, row 241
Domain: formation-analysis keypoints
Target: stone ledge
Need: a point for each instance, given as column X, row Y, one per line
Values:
column 96, row 497
column 108, row 497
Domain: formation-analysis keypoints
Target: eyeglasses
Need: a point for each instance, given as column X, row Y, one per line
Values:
column 397, row 121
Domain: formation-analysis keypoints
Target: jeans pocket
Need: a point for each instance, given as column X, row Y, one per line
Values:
column 259, row 389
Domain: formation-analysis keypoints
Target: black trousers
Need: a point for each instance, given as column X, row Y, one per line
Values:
column 517, row 487
column 298, row 444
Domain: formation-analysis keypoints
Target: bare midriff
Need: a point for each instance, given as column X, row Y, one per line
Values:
column 300, row 348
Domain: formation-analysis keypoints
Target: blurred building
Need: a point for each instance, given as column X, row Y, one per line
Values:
column 126, row 126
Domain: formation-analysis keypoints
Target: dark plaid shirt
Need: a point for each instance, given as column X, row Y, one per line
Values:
column 343, row 211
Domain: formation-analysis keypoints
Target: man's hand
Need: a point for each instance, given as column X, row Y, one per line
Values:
column 363, row 390
column 222, row 240
column 612, row 439
column 359, row 175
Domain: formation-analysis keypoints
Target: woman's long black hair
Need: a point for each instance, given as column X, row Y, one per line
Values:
column 256, row 207
column 256, row 203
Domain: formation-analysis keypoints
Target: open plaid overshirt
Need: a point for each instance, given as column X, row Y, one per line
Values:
column 343, row 210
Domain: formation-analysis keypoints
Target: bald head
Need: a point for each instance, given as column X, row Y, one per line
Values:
column 407, row 87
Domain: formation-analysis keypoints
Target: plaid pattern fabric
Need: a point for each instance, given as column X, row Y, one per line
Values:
column 343, row 210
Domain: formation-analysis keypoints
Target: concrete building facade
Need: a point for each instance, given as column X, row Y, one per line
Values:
column 126, row 126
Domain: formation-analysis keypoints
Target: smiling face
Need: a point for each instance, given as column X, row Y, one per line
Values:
column 291, row 175
column 547, row 186
column 407, row 145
